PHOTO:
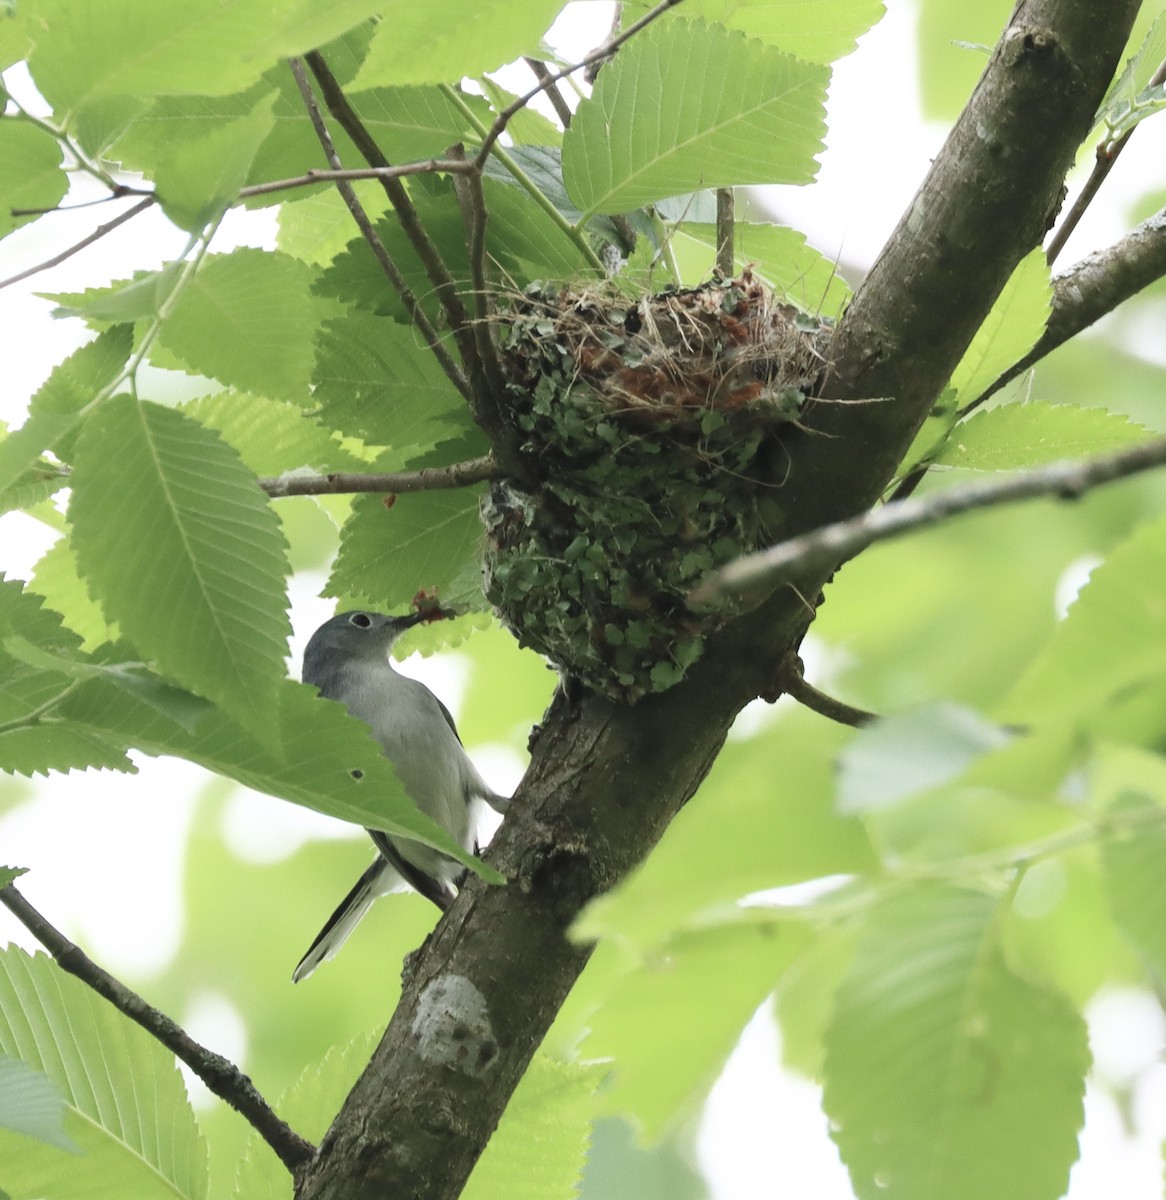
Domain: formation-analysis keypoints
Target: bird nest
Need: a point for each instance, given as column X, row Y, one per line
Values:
column 653, row 428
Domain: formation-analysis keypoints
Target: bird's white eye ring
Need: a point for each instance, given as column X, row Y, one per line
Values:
column 360, row 620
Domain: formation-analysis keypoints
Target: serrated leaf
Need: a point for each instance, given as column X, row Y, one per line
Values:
column 127, row 1109
column 820, row 31
column 9, row 874
column 1133, row 864
column 375, row 379
column 1112, row 638
column 1009, row 331
column 647, row 132
column 30, row 171
column 909, row 752
column 30, row 1103
column 781, row 256
column 125, row 300
column 309, row 1106
column 89, row 51
column 319, row 226
column 946, row 1074
column 55, row 577
column 445, row 40
column 324, row 758
column 764, row 818
column 196, row 181
column 184, row 552
column 1014, row 436
column 57, row 409
column 423, row 541
column 27, row 745
column 247, row 319
column 1130, row 98
column 270, row 436
column 670, row 1025
column 540, row 1146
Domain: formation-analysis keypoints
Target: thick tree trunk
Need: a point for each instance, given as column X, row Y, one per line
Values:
column 605, row 779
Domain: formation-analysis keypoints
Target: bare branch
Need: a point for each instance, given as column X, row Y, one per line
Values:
column 608, row 48
column 221, row 1076
column 95, row 236
column 438, row 273
column 429, row 166
column 542, row 73
column 427, row 479
column 834, row 544
column 791, row 681
column 726, row 255
column 368, row 232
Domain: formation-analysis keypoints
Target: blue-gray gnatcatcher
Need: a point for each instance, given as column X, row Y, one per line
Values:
column 347, row 659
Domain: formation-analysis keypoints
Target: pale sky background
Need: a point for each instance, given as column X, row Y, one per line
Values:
column 763, row 1134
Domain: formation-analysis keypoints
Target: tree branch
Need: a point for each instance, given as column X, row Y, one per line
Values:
column 412, row 305
column 834, row 544
column 542, row 73
column 427, row 479
column 726, row 256
column 429, row 166
column 791, row 681
column 443, row 282
column 95, row 236
column 221, row 1076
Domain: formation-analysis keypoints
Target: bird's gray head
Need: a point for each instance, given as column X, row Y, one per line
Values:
column 352, row 637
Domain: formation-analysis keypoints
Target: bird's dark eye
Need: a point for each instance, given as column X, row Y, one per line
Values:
column 360, row 620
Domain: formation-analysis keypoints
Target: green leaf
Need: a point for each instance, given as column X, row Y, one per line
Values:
column 9, row 874
column 1131, row 98
column 57, row 409
column 647, row 132
column 909, row 752
column 270, row 436
column 309, row 1106
column 764, row 818
column 30, row 171
column 324, row 758
column 781, row 256
column 28, row 746
column 540, row 1147
column 946, row 1074
column 1112, row 639
column 247, row 319
column 1133, row 864
column 125, row 300
column 1014, row 436
column 30, row 1103
column 184, row 552
column 819, row 32
column 528, row 127
column 1009, row 331
column 55, row 577
column 445, row 40
column 126, row 1106
column 91, row 51
column 197, row 180
column 700, row 989
column 317, row 227
column 375, row 379
column 422, row 541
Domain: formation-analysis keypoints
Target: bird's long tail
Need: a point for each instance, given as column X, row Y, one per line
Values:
column 376, row 881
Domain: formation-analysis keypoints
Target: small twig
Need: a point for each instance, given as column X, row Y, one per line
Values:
column 222, row 1077
column 726, row 256
column 370, row 235
column 1107, row 153
column 118, row 193
column 95, row 236
column 593, row 69
column 602, row 52
column 439, row 275
column 834, row 544
column 558, row 103
column 427, row 479
column 429, row 166
column 791, row 681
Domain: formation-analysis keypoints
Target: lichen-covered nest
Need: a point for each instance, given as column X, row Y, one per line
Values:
column 653, row 428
